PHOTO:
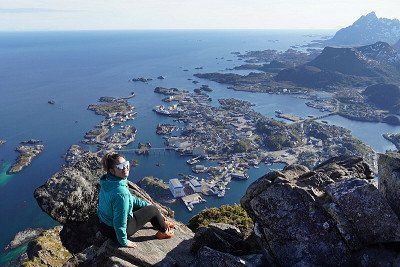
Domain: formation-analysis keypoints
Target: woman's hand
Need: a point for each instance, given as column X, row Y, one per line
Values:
column 131, row 244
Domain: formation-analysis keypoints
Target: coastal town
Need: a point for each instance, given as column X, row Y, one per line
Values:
column 237, row 138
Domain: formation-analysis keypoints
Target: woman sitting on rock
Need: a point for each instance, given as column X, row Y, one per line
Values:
column 121, row 214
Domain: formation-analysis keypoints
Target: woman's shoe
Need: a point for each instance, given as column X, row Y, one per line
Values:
column 165, row 235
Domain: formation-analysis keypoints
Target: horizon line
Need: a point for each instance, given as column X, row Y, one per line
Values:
column 173, row 29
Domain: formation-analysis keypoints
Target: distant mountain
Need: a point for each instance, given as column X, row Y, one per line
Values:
column 369, row 60
column 367, row 29
column 384, row 96
column 356, row 66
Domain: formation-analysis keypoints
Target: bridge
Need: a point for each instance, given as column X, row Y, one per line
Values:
column 316, row 118
column 152, row 150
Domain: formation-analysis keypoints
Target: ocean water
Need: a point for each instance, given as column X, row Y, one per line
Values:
column 76, row 68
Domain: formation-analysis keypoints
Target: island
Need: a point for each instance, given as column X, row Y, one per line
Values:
column 2, row 142
column 163, row 129
column 143, row 149
column 27, row 152
column 116, row 111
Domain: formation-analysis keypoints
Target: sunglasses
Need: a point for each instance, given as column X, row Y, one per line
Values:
column 123, row 165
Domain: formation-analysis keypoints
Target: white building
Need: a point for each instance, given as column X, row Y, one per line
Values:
column 176, row 188
column 199, row 169
column 195, row 185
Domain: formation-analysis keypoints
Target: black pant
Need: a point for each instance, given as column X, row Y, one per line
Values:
column 140, row 218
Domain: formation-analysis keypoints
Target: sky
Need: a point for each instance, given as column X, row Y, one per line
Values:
column 39, row 15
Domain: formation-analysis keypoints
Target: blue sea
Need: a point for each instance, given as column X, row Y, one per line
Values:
column 76, row 68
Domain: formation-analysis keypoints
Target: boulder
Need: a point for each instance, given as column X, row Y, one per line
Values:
column 288, row 173
column 292, row 228
column 337, row 167
column 332, row 215
column 371, row 218
column 221, row 237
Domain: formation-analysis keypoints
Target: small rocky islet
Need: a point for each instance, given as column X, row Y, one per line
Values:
column 28, row 150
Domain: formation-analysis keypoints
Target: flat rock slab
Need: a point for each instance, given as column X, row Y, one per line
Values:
column 151, row 251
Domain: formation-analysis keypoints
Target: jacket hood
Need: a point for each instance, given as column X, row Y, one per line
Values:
column 109, row 182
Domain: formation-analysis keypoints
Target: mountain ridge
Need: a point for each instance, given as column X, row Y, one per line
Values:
column 367, row 29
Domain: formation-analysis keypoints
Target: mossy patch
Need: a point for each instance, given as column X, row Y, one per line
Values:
column 230, row 214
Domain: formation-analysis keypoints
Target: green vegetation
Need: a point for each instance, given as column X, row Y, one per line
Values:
column 156, row 188
column 243, row 145
column 230, row 214
column 153, row 182
column 51, row 251
column 278, row 135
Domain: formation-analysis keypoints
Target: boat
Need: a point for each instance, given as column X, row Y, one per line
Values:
column 221, row 193
column 193, row 161
column 239, row 176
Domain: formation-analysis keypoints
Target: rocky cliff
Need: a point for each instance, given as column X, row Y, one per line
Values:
column 331, row 215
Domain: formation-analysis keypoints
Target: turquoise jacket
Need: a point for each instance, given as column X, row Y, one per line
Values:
column 116, row 204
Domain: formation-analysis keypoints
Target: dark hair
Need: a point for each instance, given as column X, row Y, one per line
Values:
column 109, row 160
